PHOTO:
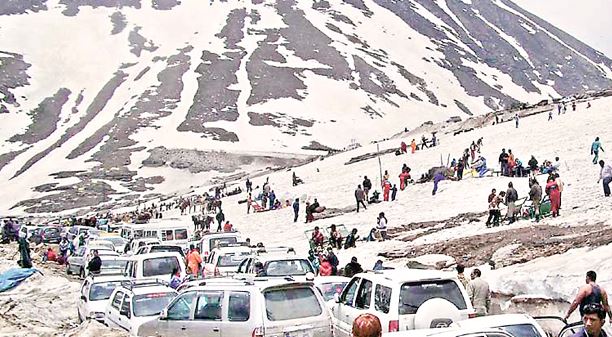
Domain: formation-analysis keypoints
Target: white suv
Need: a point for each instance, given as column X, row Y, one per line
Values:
column 403, row 299
column 95, row 292
column 155, row 265
column 224, row 261
column 277, row 265
column 134, row 303
column 257, row 307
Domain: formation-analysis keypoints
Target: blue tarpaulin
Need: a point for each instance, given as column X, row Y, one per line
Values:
column 12, row 277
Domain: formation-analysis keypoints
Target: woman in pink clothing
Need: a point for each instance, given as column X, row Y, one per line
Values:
column 552, row 189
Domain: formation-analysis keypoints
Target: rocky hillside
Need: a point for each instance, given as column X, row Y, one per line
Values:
column 117, row 99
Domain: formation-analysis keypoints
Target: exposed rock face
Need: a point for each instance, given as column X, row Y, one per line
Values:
column 259, row 75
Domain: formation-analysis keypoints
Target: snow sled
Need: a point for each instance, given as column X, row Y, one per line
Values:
column 257, row 208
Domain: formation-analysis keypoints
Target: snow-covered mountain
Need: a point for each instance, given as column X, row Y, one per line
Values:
column 117, row 99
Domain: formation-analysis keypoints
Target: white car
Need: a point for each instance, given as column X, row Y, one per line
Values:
column 98, row 242
column 117, row 241
column 134, row 303
column 232, row 307
column 77, row 263
column 95, row 292
column 155, row 265
column 518, row 325
column 224, row 261
column 155, row 248
column 278, row 265
column 403, row 299
column 211, row 241
column 136, row 244
column 452, row 332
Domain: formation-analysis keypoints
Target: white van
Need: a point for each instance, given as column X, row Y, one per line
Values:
column 233, row 307
column 211, row 241
column 170, row 231
column 155, row 265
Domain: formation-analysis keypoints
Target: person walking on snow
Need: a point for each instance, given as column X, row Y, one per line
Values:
column 393, row 192
column 591, row 293
column 595, row 147
column 249, row 200
column 479, row 293
column 220, row 218
column 606, row 175
column 360, row 197
column 413, row 146
column 492, row 214
column 296, row 209
column 404, row 147
column 438, row 177
column 550, row 115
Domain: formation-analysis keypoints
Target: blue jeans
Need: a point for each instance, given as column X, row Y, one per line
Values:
column 606, row 186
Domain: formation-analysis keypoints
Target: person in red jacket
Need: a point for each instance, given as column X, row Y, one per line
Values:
column 325, row 268
column 386, row 189
column 228, row 227
column 404, row 147
column 552, row 189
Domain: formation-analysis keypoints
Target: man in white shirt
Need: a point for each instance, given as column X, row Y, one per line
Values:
column 605, row 175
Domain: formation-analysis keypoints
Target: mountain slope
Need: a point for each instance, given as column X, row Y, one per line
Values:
column 116, row 99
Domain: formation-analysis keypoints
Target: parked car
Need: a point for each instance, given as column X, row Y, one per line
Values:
column 137, row 243
column 403, row 299
column 451, row 332
column 136, row 302
column 277, row 265
column 77, row 263
column 224, row 261
column 117, row 241
column 155, row 265
column 75, row 231
column 46, row 234
column 155, row 248
column 211, row 241
column 95, row 292
column 232, row 307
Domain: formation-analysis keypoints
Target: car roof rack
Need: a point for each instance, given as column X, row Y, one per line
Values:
column 278, row 249
column 237, row 244
column 131, row 284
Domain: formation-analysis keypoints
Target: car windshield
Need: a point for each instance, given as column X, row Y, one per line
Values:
column 160, row 266
column 151, row 304
column 114, row 264
column 521, row 330
column 232, row 259
column 102, row 291
column 158, row 248
column 217, row 242
column 288, row 267
column 414, row 294
column 330, row 289
column 302, row 301
column 115, row 240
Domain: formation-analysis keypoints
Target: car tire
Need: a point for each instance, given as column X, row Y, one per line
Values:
column 68, row 272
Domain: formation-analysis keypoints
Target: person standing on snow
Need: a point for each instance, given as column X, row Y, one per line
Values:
column 491, row 197
column 535, row 195
column 404, row 147
column 360, row 197
column 296, row 209
column 516, row 120
column 367, row 186
column 595, row 147
column 591, row 293
column 606, row 175
column 552, row 189
column 220, row 218
column 511, row 198
column 503, row 160
column 413, row 146
column 381, row 225
column 393, row 192
column 550, row 115
column 479, row 293
column 438, row 177
column 386, row 190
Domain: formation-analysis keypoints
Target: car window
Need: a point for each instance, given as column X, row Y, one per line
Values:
column 349, row 292
column 302, row 301
column 208, row 307
column 239, row 306
column 216, row 242
column 364, row 295
column 114, row 264
column 159, row 266
column 167, row 235
column 382, row 298
column 180, row 310
column 329, row 290
column 125, row 307
column 117, row 300
column 151, row 304
column 522, row 330
column 231, row 259
column 288, row 267
column 102, row 290
column 413, row 294
column 180, row 234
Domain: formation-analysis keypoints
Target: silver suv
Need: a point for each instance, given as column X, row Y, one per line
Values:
column 257, row 307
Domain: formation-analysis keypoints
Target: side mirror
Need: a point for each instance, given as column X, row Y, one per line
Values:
column 125, row 312
column 163, row 315
column 83, row 298
column 310, row 277
column 336, row 298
